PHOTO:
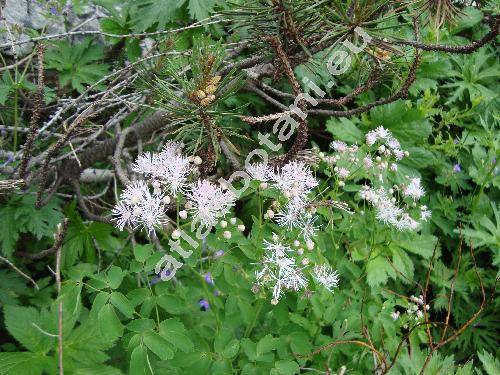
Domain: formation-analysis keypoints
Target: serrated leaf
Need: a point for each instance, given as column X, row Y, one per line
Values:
column 159, row 12
column 286, row 367
column 377, row 271
column 344, row 129
column 22, row 323
column 201, row 9
column 22, row 363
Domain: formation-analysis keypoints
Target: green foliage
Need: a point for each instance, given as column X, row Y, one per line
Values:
column 77, row 64
column 120, row 318
column 20, row 216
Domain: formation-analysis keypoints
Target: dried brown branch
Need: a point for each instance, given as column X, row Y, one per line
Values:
column 35, row 117
column 493, row 23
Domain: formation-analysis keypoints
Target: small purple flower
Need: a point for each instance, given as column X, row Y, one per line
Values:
column 208, row 278
column 204, row 304
column 53, row 10
column 219, row 253
column 494, row 161
column 216, row 293
column 457, row 168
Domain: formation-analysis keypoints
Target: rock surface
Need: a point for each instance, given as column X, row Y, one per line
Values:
column 21, row 15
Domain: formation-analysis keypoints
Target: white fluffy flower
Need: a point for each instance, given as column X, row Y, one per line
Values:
column 306, row 224
column 209, row 202
column 279, row 270
column 260, row 171
column 371, row 138
column 339, row 146
column 151, row 213
column 169, row 167
column 135, row 193
column 342, row 173
column 295, row 180
column 414, row 189
column 123, row 215
column 326, row 276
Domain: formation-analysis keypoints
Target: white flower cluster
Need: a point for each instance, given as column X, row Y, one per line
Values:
column 387, row 209
column 167, row 173
column 168, row 168
column 415, row 309
column 295, row 181
column 209, row 202
column 139, row 208
column 378, row 158
column 281, row 270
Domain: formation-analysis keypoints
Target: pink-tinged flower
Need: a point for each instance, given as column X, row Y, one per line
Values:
column 342, row 173
column 151, row 214
column 371, row 138
column 306, row 224
column 295, row 180
column 339, row 146
column 393, row 143
column 367, row 162
column 383, row 133
column 209, row 202
column 260, row 171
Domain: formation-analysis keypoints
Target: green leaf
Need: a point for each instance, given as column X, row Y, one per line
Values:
column 123, row 304
column 159, row 12
column 10, row 231
column 201, row 9
column 422, row 245
column 22, row 363
column 231, row 349
column 109, row 325
column 299, row 342
column 174, row 332
column 142, row 252
column 22, row 323
column 115, row 277
column 141, row 325
column 138, row 361
column 265, row 345
column 344, row 129
column 287, row 367
column 377, row 270
column 158, row 345
column 172, row 304
column 490, row 363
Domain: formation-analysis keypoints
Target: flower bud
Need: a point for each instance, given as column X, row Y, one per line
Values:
column 200, row 94
column 183, row 214
column 227, row 234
